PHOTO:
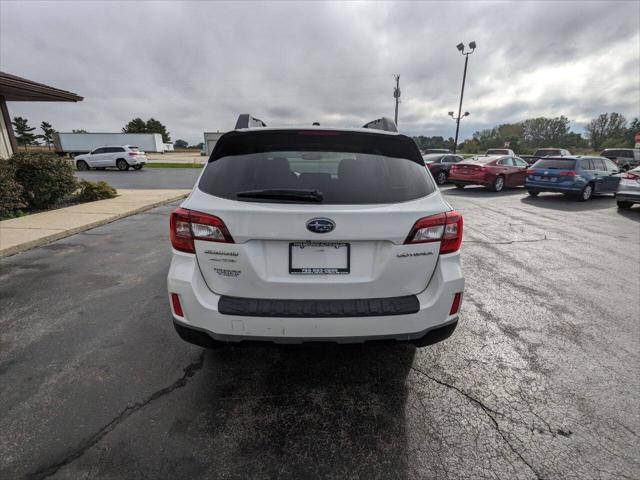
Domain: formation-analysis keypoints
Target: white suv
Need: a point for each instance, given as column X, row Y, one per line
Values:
column 120, row 157
column 296, row 235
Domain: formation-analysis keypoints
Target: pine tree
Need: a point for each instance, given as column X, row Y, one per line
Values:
column 23, row 131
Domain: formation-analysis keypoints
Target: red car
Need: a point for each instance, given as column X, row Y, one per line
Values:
column 493, row 171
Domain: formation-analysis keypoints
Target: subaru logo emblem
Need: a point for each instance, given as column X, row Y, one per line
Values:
column 320, row 225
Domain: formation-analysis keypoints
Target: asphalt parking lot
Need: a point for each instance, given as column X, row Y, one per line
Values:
column 541, row 379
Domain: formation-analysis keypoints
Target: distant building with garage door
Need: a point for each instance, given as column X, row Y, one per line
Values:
column 210, row 140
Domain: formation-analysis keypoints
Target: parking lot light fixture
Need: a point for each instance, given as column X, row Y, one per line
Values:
column 460, row 47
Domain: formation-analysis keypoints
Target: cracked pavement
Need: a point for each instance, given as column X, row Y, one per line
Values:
column 541, row 379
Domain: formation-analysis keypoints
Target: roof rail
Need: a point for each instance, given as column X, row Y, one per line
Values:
column 383, row 123
column 245, row 120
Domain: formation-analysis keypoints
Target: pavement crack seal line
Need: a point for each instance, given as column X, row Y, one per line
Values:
column 189, row 371
column 509, row 242
column 487, row 410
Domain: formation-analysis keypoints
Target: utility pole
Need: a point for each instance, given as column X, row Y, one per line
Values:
column 396, row 95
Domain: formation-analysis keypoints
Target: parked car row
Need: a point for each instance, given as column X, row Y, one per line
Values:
column 579, row 176
column 120, row 157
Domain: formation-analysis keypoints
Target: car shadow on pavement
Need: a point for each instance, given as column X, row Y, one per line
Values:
column 307, row 412
column 632, row 214
column 478, row 191
column 559, row 201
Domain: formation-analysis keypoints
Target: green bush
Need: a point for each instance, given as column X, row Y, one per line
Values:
column 45, row 178
column 91, row 191
column 10, row 191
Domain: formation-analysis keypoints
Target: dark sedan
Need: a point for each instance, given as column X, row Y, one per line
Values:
column 439, row 165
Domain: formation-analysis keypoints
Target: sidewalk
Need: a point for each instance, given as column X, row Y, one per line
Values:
column 19, row 234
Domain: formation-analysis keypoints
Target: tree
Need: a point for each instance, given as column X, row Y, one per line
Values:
column 181, row 144
column 23, row 131
column 630, row 135
column 79, row 130
column 609, row 128
column 154, row 126
column 546, row 132
column 47, row 133
column 137, row 125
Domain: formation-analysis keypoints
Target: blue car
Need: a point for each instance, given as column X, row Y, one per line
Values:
column 575, row 175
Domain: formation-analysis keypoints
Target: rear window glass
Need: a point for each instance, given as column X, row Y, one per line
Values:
column 341, row 177
column 134, row 149
column 345, row 167
column 561, row 163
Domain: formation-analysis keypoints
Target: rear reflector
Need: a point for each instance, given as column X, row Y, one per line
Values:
column 177, row 308
column 445, row 228
column 187, row 226
column 455, row 306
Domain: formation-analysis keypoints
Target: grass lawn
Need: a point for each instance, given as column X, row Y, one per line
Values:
column 172, row 165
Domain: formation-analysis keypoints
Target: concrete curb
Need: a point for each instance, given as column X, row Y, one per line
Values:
column 6, row 252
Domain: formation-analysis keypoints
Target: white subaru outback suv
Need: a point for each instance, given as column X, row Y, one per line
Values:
column 120, row 157
column 296, row 235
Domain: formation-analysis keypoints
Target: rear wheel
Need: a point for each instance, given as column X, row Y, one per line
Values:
column 82, row 165
column 441, row 177
column 533, row 193
column 586, row 192
column 624, row 205
column 137, row 167
column 498, row 184
column 459, row 186
column 122, row 164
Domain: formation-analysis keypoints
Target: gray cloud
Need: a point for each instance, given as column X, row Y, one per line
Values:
column 196, row 65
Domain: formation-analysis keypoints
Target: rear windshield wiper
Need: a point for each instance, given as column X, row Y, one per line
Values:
column 283, row 194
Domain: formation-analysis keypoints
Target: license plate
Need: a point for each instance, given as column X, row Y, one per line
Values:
column 319, row 258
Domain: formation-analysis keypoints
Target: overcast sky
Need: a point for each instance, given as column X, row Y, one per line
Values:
column 196, row 65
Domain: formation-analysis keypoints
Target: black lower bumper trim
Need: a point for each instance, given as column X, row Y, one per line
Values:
column 365, row 307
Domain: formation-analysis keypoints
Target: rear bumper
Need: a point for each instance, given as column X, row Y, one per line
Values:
column 201, row 312
column 628, row 197
column 550, row 187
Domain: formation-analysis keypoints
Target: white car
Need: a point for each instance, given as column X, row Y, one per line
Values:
column 628, row 191
column 296, row 235
column 121, row 157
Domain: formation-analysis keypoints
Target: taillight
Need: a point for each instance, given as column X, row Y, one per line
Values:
column 134, row 153
column 455, row 306
column 177, row 308
column 443, row 227
column 631, row 176
column 530, row 171
column 567, row 173
column 187, row 226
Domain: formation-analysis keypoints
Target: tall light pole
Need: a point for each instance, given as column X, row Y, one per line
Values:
column 396, row 95
column 460, row 47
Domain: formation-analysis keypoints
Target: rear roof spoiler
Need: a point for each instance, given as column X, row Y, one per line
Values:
column 383, row 123
column 245, row 120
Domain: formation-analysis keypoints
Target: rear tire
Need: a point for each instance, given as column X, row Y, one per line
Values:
column 82, row 166
column 441, row 178
column 137, row 167
column 586, row 192
column 459, row 186
column 122, row 165
column 498, row 184
column 533, row 193
column 624, row 205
